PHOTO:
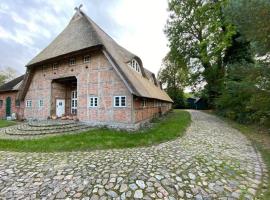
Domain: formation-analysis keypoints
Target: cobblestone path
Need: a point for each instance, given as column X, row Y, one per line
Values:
column 211, row 161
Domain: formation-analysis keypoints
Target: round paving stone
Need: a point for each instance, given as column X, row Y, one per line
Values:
column 211, row 161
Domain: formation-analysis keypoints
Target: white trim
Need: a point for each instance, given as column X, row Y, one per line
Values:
column 120, row 101
column 114, row 66
column 88, row 61
column 144, row 103
column 39, row 103
column 72, row 61
column 28, row 103
column 55, row 66
column 74, row 97
column 95, row 104
column 135, row 65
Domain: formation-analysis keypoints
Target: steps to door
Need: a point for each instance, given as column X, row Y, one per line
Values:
column 46, row 127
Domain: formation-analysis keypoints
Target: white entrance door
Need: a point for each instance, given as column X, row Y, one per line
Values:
column 60, row 107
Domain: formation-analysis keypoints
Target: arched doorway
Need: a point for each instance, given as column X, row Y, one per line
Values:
column 8, row 107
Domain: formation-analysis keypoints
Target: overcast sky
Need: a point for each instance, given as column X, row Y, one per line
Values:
column 26, row 27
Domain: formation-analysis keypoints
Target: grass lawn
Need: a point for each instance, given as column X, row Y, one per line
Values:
column 5, row 123
column 260, row 137
column 167, row 128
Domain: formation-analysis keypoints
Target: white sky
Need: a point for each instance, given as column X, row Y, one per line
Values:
column 27, row 28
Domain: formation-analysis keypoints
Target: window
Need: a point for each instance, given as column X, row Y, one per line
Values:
column 74, row 102
column 17, row 103
column 135, row 65
column 72, row 61
column 119, row 101
column 86, row 59
column 40, row 103
column 144, row 102
column 1, row 103
column 28, row 103
column 93, row 102
column 55, row 66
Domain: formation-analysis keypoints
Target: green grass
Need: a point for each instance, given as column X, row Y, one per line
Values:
column 5, row 123
column 167, row 128
column 260, row 138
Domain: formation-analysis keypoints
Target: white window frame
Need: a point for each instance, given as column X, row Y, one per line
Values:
column 55, row 66
column 72, row 61
column 135, row 65
column 86, row 60
column 28, row 104
column 93, row 102
column 74, row 102
column 144, row 103
column 41, row 104
column 120, row 101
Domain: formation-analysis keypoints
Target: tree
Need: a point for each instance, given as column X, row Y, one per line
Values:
column 7, row 74
column 198, row 33
column 252, row 20
column 173, row 77
column 246, row 93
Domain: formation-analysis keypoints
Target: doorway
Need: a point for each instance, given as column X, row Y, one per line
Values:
column 8, row 107
column 60, row 107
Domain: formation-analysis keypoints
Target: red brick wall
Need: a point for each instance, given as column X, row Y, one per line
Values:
column 96, row 78
column 153, row 108
column 14, row 108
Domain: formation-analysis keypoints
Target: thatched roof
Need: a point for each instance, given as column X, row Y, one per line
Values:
column 13, row 85
column 83, row 33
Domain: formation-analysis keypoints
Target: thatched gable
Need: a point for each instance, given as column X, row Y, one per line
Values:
column 83, row 33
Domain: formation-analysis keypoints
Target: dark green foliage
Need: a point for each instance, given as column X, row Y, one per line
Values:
column 245, row 96
column 171, row 126
column 246, row 93
column 198, row 34
column 252, row 19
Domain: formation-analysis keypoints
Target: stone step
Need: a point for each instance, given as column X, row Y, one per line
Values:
column 47, row 128
column 51, row 123
column 14, row 131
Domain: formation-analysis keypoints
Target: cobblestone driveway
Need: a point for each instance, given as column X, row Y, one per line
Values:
column 212, row 161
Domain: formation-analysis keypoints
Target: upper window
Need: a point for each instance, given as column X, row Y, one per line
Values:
column 135, row 65
column 28, row 103
column 86, row 59
column 1, row 103
column 55, row 66
column 40, row 103
column 93, row 102
column 119, row 101
column 72, row 61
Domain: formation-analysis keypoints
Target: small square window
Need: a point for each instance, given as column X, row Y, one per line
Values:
column 72, row 61
column 55, row 66
column 1, row 103
column 40, row 103
column 86, row 59
column 93, row 102
column 119, row 101
column 28, row 103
